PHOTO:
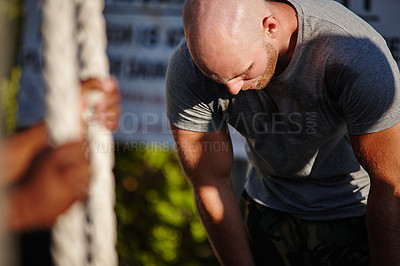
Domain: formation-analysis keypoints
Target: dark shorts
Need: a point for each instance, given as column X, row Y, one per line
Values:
column 277, row 238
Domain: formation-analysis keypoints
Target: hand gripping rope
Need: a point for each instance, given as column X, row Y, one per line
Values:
column 86, row 233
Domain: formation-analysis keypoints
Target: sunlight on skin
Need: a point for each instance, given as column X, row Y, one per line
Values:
column 212, row 202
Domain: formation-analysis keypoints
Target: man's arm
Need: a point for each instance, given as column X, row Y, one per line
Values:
column 53, row 178
column 207, row 160
column 379, row 154
column 57, row 178
column 17, row 152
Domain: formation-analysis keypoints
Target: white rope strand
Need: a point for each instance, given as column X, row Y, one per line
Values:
column 94, row 62
column 62, row 118
column 61, row 70
column 93, row 39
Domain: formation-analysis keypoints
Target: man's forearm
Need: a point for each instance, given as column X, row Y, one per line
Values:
column 208, row 170
column 18, row 150
column 383, row 216
column 221, row 218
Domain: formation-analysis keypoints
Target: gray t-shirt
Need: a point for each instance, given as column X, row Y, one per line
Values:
column 342, row 79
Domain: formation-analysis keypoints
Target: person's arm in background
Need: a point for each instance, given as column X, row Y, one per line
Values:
column 18, row 150
column 207, row 161
column 379, row 154
column 52, row 179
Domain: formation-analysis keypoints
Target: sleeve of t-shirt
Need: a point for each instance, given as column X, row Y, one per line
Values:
column 190, row 97
column 369, row 88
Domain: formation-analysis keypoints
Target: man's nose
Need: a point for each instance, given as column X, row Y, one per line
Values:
column 234, row 86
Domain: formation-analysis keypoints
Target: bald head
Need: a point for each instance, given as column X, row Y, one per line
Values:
column 212, row 26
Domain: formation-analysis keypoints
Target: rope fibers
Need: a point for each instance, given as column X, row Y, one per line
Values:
column 86, row 233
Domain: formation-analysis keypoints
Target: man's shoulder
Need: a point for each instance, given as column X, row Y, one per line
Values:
column 192, row 98
column 182, row 53
column 338, row 20
column 341, row 34
column 181, row 65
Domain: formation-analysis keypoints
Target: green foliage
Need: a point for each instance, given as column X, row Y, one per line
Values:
column 157, row 221
column 8, row 96
column 11, row 8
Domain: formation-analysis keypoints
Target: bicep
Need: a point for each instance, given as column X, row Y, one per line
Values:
column 206, row 157
column 379, row 154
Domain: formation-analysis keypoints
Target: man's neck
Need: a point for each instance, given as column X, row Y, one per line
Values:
column 287, row 40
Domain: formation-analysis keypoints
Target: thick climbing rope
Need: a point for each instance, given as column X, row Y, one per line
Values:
column 86, row 233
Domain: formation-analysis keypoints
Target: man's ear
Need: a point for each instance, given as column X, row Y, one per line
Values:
column 270, row 25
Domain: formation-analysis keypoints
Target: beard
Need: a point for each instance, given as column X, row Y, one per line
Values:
column 269, row 70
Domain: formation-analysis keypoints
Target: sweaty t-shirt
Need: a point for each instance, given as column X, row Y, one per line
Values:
column 342, row 79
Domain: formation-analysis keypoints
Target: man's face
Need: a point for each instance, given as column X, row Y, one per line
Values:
column 261, row 81
column 242, row 69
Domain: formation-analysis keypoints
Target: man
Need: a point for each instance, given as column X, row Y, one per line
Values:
column 315, row 91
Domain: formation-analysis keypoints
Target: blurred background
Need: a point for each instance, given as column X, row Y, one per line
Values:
column 157, row 221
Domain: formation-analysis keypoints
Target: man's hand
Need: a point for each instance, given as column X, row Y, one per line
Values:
column 107, row 112
column 57, row 178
